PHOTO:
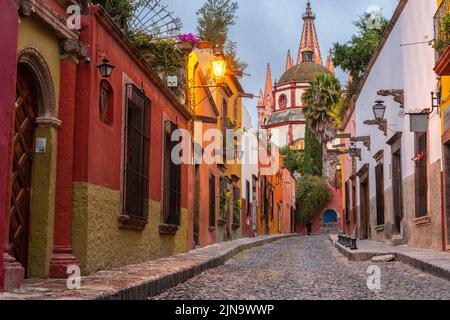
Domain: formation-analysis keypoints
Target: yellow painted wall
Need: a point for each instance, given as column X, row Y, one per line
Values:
column 33, row 34
column 445, row 89
column 99, row 243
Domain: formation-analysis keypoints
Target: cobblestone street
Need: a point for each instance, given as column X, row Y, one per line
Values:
column 304, row 268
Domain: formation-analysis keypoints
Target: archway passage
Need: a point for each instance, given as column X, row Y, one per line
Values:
column 21, row 175
column 330, row 216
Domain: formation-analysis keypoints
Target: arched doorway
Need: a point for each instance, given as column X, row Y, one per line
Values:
column 22, row 165
column 32, row 180
column 330, row 216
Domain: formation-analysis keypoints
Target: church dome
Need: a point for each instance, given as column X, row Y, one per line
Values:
column 303, row 72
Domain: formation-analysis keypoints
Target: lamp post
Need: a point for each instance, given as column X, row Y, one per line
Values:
column 106, row 68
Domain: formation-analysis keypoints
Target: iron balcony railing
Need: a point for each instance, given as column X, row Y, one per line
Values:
column 442, row 28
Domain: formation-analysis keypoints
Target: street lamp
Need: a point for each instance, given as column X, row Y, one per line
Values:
column 219, row 66
column 379, row 110
column 106, row 68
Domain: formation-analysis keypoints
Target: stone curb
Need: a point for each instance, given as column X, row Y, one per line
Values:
column 405, row 258
column 157, row 286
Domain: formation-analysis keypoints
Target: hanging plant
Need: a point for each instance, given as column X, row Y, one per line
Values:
column 419, row 156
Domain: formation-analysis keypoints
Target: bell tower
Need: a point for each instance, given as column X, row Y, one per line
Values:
column 309, row 38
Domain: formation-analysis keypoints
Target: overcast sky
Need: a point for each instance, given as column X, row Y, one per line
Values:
column 266, row 29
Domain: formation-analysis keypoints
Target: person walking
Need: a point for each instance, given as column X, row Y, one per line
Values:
column 309, row 227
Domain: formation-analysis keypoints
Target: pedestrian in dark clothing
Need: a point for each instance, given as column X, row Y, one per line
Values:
column 309, row 227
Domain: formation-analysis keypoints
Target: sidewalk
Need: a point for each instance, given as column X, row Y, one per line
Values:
column 433, row 262
column 137, row 282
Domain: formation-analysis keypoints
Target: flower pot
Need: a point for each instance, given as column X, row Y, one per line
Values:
column 205, row 45
column 185, row 45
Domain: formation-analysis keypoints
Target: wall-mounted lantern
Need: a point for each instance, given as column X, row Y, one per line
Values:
column 379, row 110
column 354, row 152
column 106, row 68
column 219, row 66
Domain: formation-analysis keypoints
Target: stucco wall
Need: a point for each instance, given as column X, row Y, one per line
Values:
column 99, row 243
column 409, row 68
column 8, row 45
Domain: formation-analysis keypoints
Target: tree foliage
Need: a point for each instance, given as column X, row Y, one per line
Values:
column 313, row 155
column 293, row 161
column 214, row 19
column 121, row 11
column 354, row 56
column 320, row 99
column 312, row 195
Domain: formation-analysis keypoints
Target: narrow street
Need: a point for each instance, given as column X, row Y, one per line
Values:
column 305, row 268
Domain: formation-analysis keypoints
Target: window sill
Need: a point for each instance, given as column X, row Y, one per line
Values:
column 168, row 229
column 422, row 221
column 131, row 223
column 379, row 228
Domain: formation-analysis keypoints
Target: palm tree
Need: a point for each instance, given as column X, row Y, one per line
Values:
column 320, row 99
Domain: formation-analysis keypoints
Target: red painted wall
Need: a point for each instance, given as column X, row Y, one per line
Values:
column 98, row 147
column 8, row 47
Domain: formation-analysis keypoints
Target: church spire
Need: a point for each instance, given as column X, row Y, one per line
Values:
column 268, row 91
column 329, row 64
column 309, row 36
column 289, row 62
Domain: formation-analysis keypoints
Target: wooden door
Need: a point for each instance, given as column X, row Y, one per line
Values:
column 365, row 213
column 23, row 142
column 397, row 190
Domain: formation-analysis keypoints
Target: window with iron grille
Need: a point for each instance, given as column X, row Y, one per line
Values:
column 347, row 201
column 172, row 178
column 379, row 182
column 421, row 176
column 137, row 153
column 212, row 200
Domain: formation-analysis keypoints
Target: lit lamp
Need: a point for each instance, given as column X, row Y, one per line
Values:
column 105, row 68
column 379, row 110
column 219, row 66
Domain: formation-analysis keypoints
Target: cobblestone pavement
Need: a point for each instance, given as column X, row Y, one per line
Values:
column 305, row 268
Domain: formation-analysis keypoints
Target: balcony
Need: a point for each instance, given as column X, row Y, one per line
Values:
column 441, row 42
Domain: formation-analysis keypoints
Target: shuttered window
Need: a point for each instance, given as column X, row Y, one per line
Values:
column 421, row 176
column 379, row 181
column 212, row 200
column 137, row 153
column 172, row 178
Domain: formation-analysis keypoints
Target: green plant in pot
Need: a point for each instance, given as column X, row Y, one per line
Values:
column 224, row 205
column 237, row 212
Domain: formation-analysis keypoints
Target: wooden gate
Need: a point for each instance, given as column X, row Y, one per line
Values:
column 23, row 142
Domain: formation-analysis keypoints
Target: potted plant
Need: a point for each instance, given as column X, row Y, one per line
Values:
column 224, row 203
column 205, row 45
column 237, row 214
column 187, row 41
